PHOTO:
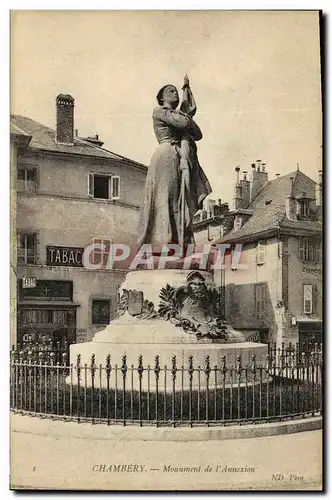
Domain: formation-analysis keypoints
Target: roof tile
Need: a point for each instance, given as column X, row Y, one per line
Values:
column 44, row 138
column 273, row 215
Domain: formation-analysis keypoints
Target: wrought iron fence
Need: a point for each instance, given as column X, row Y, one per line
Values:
column 45, row 349
column 290, row 353
column 281, row 354
column 175, row 395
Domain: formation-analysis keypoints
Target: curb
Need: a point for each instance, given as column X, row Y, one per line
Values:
column 62, row 429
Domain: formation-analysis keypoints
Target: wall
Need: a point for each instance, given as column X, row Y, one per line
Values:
column 63, row 176
column 207, row 234
column 300, row 273
column 240, row 286
column 62, row 214
column 13, row 164
column 70, row 222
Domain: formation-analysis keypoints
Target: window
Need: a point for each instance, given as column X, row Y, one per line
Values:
column 36, row 316
column 27, row 248
column 104, row 187
column 237, row 222
column 304, row 209
column 309, row 249
column 60, row 318
column 303, row 206
column 234, row 300
column 101, row 312
column 26, row 179
column 307, row 299
column 260, row 300
column 260, row 252
column 100, row 255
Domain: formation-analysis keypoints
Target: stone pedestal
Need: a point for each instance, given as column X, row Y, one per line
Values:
column 151, row 323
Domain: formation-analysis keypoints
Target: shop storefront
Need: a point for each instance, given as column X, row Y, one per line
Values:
column 46, row 312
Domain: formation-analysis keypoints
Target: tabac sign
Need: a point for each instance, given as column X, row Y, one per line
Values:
column 64, row 256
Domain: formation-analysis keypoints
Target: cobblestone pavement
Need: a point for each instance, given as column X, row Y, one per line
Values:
column 275, row 462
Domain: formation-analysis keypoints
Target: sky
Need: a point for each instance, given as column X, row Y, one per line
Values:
column 255, row 76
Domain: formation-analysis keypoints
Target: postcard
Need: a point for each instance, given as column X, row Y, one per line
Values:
column 166, row 250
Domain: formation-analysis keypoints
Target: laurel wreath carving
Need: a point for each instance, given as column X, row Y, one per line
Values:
column 170, row 305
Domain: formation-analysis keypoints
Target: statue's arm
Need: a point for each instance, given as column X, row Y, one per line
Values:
column 188, row 104
column 177, row 120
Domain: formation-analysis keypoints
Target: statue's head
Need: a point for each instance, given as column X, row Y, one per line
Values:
column 196, row 286
column 168, row 94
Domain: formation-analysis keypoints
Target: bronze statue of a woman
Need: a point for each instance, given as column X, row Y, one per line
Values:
column 175, row 184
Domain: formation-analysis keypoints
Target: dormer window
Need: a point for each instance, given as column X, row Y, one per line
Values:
column 237, row 222
column 303, row 206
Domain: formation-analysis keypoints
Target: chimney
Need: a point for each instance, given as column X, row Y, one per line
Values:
column 65, row 119
column 237, row 200
column 245, row 190
column 94, row 140
column 290, row 203
column 237, row 170
column 259, row 178
column 210, row 207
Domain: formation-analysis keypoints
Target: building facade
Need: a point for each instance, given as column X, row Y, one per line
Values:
column 71, row 192
column 276, row 292
column 19, row 141
column 208, row 223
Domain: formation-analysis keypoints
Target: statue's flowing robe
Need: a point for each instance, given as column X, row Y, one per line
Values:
column 159, row 217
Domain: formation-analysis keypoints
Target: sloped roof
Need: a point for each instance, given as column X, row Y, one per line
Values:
column 43, row 138
column 269, row 208
column 14, row 129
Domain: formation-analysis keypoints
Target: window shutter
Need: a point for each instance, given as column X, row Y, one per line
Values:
column 307, row 299
column 37, row 178
column 261, row 252
column 257, row 300
column 91, row 185
column 318, row 255
column 115, row 187
column 263, row 298
column 37, row 248
column 301, row 248
column 314, row 299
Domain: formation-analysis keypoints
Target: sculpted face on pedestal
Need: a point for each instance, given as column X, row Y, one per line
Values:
column 197, row 289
